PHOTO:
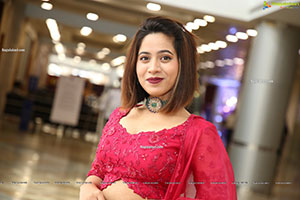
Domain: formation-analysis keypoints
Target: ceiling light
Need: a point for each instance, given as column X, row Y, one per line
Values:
column 59, row 48
column 81, row 45
column 205, row 48
column 79, row 50
column 77, row 59
column 231, row 38
column 61, row 56
column 92, row 62
column 252, row 32
column 228, row 62
column 92, row 16
column 54, row 69
column 53, row 29
column 213, row 46
column 188, row 28
column 118, row 61
column 221, row 44
column 238, row 61
column 120, row 71
column 46, row 6
column 105, row 50
column 199, row 50
column 241, row 35
column 209, row 64
column 100, row 55
column 153, row 6
column 209, row 18
column 219, row 63
column 105, row 66
column 202, row 65
column 200, row 22
column 192, row 25
column 85, row 31
column 119, row 38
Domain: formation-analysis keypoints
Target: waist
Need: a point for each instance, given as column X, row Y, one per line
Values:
column 144, row 188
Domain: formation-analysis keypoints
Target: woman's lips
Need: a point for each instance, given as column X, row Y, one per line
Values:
column 154, row 80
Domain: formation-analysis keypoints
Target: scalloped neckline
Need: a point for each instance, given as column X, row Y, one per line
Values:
column 141, row 132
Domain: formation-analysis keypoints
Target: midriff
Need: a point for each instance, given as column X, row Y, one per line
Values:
column 120, row 191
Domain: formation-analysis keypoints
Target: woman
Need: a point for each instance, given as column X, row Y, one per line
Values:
column 152, row 147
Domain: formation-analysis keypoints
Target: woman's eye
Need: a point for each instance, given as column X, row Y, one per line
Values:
column 166, row 58
column 144, row 58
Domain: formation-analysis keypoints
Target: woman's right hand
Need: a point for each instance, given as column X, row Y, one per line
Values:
column 90, row 192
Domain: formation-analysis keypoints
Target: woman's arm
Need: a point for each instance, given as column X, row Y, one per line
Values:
column 90, row 190
column 95, row 180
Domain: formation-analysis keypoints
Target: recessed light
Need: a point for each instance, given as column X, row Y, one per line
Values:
column 241, row 35
column 77, row 59
column 192, row 25
column 100, row 55
column 228, row 62
column 153, row 6
column 200, row 22
column 205, row 48
column 119, row 38
column 231, row 38
column 252, row 32
column 219, row 63
column 81, row 45
column 85, row 31
column 92, row 16
column 238, row 61
column 221, row 44
column 46, row 6
column 105, row 50
column 209, row 18
column 213, row 46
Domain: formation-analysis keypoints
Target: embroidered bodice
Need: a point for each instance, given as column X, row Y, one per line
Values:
column 145, row 161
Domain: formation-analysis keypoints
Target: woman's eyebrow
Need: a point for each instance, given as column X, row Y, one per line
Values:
column 144, row 52
column 161, row 51
column 165, row 51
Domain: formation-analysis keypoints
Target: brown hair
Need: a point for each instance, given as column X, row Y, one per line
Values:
column 186, row 82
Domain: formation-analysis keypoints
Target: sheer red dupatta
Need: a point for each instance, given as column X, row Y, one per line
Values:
column 203, row 169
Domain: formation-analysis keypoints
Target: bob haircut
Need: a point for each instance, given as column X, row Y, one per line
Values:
column 186, row 81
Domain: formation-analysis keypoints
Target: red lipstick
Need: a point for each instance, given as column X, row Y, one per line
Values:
column 154, row 80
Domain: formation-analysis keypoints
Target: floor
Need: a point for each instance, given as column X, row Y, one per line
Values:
column 42, row 166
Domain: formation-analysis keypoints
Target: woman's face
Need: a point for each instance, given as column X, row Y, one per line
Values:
column 157, row 65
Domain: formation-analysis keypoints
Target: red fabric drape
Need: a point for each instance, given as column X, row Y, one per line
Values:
column 203, row 169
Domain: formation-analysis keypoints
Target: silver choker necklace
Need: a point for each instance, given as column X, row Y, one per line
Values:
column 154, row 104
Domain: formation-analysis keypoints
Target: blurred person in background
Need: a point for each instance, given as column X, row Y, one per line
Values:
column 109, row 101
column 151, row 146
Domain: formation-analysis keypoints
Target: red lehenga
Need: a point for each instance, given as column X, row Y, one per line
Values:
column 186, row 162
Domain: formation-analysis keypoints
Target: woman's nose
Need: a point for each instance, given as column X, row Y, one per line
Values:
column 154, row 66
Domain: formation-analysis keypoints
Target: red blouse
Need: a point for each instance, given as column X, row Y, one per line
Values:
column 188, row 161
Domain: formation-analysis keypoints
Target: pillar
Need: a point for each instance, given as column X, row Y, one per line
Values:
column 11, row 23
column 266, row 87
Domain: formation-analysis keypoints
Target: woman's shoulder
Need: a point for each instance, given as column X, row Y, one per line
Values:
column 201, row 123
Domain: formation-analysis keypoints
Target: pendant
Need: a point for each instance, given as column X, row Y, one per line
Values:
column 154, row 104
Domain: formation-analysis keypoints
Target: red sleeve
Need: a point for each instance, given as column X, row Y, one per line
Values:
column 96, row 168
column 211, row 168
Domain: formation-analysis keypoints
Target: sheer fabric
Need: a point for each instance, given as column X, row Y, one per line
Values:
column 203, row 169
column 186, row 162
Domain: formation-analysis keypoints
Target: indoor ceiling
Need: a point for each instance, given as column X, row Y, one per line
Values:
column 117, row 16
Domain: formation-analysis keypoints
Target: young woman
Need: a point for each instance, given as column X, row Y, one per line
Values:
column 152, row 147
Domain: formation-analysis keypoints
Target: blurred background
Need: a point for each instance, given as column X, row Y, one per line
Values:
column 61, row 65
